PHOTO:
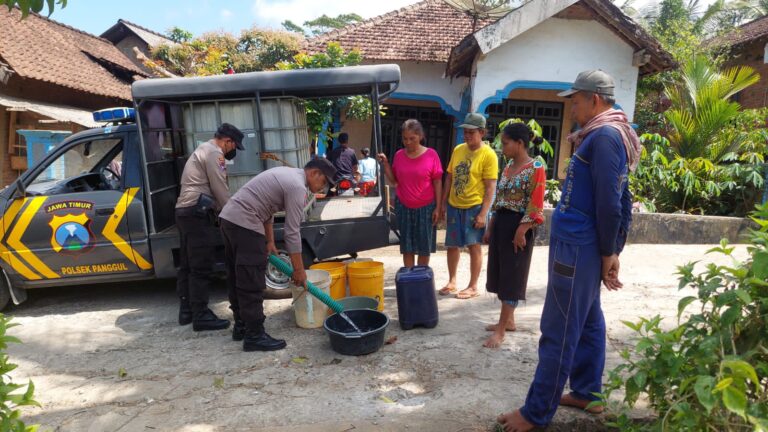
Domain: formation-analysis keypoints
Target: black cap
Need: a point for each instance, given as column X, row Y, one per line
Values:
column 325, row 166
column 229, row 131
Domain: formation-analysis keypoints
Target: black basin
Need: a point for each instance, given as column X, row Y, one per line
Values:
column 345, row 340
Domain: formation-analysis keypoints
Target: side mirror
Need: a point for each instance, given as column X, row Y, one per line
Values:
column 21, row 191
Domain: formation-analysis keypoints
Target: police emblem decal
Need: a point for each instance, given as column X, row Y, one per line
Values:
column 71, row 233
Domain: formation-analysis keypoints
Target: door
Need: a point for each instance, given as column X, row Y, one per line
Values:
column 73, row 221
column 438, row 128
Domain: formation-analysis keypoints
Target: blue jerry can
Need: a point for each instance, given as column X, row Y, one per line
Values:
column 416, row 300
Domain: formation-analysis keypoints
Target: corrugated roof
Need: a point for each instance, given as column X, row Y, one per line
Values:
column 425, row 31
column 42, row 49
column 57, row 112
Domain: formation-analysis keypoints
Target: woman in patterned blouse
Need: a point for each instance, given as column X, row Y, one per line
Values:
column 518, row 210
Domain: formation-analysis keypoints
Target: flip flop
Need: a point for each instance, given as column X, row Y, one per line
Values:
column 444, row 291
column 467, row 294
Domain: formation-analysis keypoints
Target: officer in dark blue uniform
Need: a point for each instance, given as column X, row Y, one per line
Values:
column 589, row 228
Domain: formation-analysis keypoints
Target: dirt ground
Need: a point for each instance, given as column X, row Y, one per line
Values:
column 112, row 358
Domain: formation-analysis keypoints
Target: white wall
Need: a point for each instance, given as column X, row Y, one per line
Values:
column 427, row 79
column 556, row 51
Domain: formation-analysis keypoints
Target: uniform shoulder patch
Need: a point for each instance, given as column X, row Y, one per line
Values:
column 538, row 164
column 222, row 162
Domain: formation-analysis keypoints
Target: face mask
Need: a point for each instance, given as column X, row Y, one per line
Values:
column 230, row 154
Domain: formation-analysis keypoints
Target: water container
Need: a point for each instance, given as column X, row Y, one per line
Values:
column 311, row 312
column 416, row 301
column 366, row 278
column 284, row 123
column 338, row 273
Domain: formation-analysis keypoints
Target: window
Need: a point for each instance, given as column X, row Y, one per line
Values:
column 85, row 157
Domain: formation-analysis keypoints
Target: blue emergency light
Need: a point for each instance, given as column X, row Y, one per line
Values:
column 115, row 115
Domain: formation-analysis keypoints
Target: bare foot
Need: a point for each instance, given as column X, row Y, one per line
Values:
column 514, row 422
column 572, row 401
column 492, row 327
column 448, row 289
column 494, row 340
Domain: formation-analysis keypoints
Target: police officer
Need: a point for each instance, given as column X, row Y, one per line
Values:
column 204, row 192
column 247, row 227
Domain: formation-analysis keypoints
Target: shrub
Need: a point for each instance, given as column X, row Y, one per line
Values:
column 10, row 398
column 710, row 371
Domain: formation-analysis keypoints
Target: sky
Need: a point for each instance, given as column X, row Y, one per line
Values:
column 200, row 16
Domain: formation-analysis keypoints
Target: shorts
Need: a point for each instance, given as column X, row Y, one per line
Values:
column 460, row 229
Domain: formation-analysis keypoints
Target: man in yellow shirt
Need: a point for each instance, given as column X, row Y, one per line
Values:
column 468, row 194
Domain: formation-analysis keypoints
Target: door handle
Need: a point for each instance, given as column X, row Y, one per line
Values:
column 105, row 211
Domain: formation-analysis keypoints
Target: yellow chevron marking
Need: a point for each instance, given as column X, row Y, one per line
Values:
column 14, row 239
column 110, row 231
column 6, row 254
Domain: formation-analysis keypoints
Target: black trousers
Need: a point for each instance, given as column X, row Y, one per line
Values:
column 199, row 237
column 246, row 254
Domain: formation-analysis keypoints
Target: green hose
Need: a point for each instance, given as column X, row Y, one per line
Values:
column 323, row 297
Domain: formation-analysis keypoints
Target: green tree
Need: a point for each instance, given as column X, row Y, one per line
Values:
column 36, row 6
column 320, row 111
column 179, row 35
column 212, row 53
column 322, row 24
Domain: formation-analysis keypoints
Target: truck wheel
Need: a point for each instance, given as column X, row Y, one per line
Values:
column 275, row 290
column 5, row 292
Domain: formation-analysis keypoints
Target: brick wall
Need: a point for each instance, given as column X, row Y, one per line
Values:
column 752, row 55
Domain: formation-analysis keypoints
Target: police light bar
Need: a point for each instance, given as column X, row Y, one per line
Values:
column 115, row 115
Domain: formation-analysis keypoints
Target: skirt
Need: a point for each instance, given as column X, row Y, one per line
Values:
column 417, row 234
column 507, row 269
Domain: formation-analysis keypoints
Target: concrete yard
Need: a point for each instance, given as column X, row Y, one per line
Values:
column 112, row 358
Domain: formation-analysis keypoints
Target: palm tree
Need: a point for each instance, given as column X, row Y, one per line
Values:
column 701, row 106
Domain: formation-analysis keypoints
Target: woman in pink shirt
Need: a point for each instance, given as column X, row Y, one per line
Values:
column 417, row 174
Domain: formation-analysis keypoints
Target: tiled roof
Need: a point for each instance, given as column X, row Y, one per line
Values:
column 42, row 49
column 425, row 31
column 743, row 34
column 152, row 38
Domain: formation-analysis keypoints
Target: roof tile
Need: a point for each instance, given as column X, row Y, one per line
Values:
column 425, row 31
column 42, row 49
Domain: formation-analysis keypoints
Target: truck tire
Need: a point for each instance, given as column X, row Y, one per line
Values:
column 280, row 294
column 5, row 292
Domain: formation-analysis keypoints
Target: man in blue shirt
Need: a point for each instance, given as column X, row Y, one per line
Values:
column 589, row 228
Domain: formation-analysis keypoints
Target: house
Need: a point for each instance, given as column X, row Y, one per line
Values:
column 52, row 77
column 748, row 44
column 512, row 67
column 126, row 36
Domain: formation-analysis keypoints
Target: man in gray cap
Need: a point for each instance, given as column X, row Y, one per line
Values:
column 589, row 228
column 204, row 192
column 247, row 227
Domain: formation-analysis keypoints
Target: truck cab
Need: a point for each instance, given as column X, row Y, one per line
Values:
column 100, row 207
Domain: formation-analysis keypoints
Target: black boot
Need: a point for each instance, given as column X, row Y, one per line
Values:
column 238, row 330
column 256, row 339
column 185, row 312
column 207, row 320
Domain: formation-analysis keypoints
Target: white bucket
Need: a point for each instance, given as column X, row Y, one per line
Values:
column 311, row 312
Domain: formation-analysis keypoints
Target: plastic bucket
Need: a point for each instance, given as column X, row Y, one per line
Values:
column 366, row 278
column 309, row 311
column 338, row 273
column 359, row 302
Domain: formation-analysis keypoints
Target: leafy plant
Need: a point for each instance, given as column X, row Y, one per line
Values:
column 320, row 111
column 10, row 398
column 710, row 371
column 552, row 192
column 36, row 6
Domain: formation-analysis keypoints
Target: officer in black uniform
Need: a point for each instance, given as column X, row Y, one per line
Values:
column 204, row 192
